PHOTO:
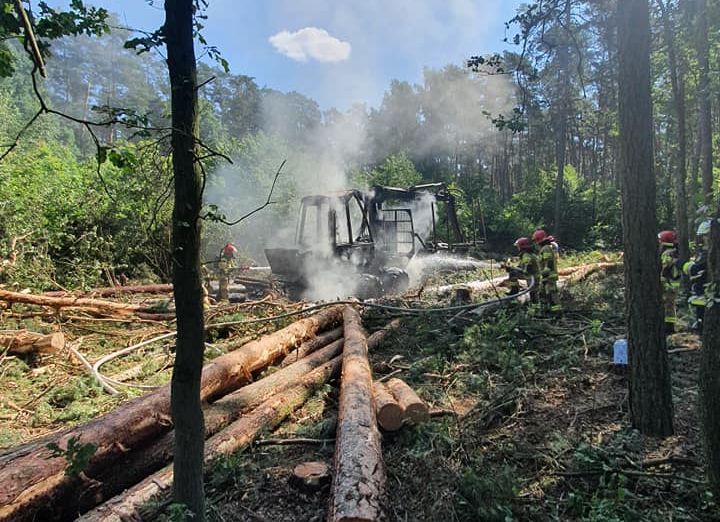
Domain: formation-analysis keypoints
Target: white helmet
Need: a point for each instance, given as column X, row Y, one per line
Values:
column 704, row 227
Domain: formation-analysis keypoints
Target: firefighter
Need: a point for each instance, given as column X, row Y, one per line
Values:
column 526, row 268
column 548, row 264
column 696, row 270
column 670, row 276
column 226, row 263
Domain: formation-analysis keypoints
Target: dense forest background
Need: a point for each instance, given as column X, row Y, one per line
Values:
column 522, row 142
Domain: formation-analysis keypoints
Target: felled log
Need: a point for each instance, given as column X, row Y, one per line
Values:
column 359, row 476
column 24, row 342
column 389, row 413
column 310, row 346
column 144, row 500
column 111, row 291
column 31, row 479
column 98, row 306
column 582, row 272
column 414, row 408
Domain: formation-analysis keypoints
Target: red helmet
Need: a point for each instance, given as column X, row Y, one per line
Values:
column 229, row 250
column 523, row 243
column 539, row 236
column 667, row 236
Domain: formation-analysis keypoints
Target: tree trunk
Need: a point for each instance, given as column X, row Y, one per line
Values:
column 562, row 117
column 678, row 91
column 704, row 116
column 709, row 378
column 187, row 285
column 359, row 476
column 650, row 393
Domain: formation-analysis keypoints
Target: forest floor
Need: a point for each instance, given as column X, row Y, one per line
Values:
column 538, row 427
column 535, row 427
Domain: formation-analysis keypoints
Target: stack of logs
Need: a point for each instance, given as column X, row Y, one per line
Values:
column 131, row 464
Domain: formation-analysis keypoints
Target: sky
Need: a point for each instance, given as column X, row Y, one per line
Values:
column 339, row 52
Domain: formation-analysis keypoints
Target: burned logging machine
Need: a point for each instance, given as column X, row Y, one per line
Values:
column 368, row 238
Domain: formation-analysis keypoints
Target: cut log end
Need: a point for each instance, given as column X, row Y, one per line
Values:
column 389, row 412
column 416, row 411
column 310, row 476
column 24, row 342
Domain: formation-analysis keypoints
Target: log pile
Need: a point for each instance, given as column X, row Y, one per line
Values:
column 31, row 480
column 131, row 464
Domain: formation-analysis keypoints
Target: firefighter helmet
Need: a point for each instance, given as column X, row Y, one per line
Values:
column 540, row 236
column 667, row 237
column 704, row 227
column 523, row 243
column 229, row 250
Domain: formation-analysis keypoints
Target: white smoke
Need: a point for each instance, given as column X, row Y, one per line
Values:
column 454, row 105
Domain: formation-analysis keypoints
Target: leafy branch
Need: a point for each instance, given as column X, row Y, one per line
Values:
column 214, row 215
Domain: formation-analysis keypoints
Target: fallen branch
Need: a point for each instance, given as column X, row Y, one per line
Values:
column 115, row 290
column 99, row 306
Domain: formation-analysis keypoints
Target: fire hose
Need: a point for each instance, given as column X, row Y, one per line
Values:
column 107, row 381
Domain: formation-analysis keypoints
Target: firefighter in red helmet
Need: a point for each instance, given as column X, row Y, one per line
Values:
column 526, row 268
column 548, row 264
column 670, row 276
column 226, row 263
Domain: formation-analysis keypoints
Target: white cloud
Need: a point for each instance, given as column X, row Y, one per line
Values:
column 311, row 43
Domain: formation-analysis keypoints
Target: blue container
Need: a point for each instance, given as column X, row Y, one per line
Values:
column 620, row 354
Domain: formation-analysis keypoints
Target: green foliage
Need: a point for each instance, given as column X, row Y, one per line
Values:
column 487, row 495
column 176, row 512
column 395, row 171
column 497, row 346
column 49, row 24
column 78, row 455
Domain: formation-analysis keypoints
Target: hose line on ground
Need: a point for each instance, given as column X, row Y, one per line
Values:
column 367, row 304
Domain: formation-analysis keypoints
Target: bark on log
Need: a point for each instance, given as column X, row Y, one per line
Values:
column 94, row 305
column 134, row 504
column 217, row 416
column 311, row 345
column 24, row 342
column 359, row 476
column 389, row 412
column 32, row 479
column 416, row 411
column 115, row 290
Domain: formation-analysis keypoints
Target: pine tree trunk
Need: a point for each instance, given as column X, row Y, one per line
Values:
column 185, row 399
column 710, row 367
column 678, row 91
column 705, row 115
column 562, row 123
column 650, row 393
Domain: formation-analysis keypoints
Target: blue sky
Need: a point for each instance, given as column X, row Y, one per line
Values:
column 339, row 51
